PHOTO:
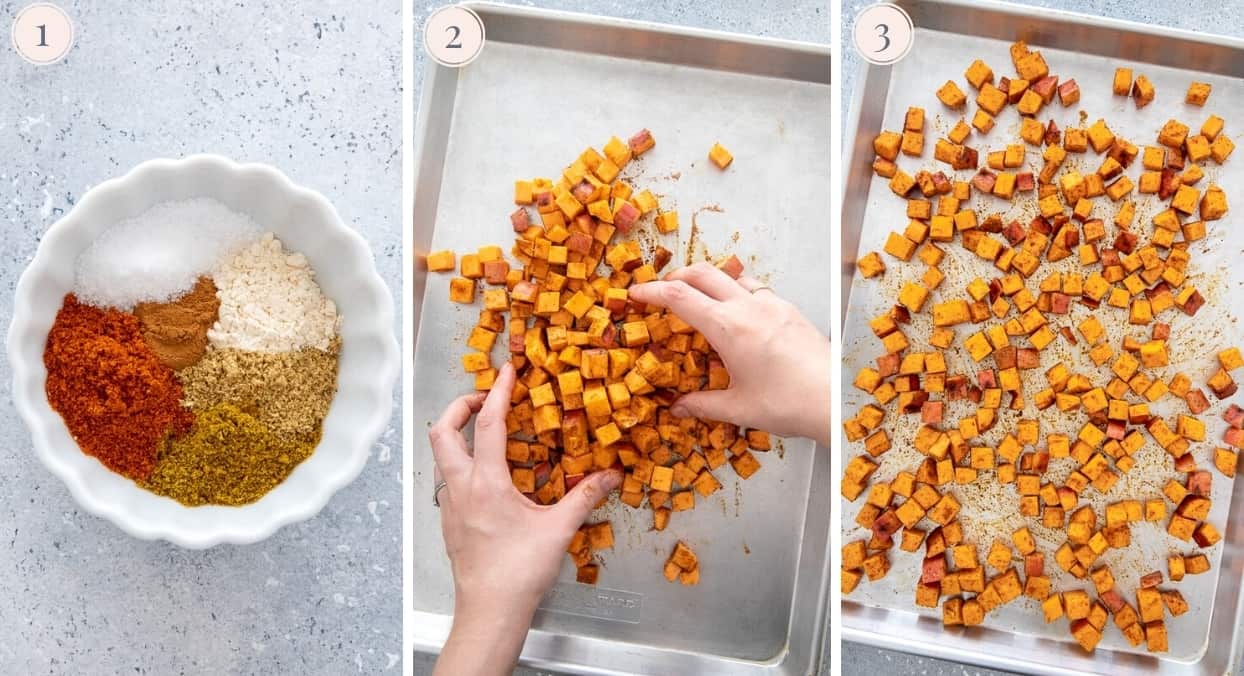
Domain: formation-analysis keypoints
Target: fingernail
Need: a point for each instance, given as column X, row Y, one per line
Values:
column 679, row 410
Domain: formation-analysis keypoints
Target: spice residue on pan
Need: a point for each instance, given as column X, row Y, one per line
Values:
column 694, row 244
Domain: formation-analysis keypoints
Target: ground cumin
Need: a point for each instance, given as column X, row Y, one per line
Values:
column 119, row 401
column 228, row 458
column 289, row 392
column 177, row 331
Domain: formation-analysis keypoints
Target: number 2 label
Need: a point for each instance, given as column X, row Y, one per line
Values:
column 453, row 36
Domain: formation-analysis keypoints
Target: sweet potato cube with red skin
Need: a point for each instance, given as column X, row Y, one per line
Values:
column 1206, row 535
column 933, row 569
column 520, row 220
column 641, row 142
column 731, row 266
column 525, row 291
column 1069, row 92
column 1034, row 564
column 1221, row 384
column 931, row 412
column 495, row 272
column 625, row 217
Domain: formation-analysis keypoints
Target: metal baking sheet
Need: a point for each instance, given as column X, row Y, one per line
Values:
column 546, row 85
column 949, row 35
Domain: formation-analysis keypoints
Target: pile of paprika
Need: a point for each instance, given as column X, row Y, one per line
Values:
column 119, row 401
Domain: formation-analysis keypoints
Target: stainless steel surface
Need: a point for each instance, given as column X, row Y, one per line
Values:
column 760, row 606
column 949, row 36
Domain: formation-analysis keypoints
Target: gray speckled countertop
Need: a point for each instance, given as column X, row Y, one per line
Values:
column 804, row 20
column 1222, row 18
column 316, row 92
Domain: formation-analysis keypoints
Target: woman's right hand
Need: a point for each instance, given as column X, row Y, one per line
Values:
column 778, row 361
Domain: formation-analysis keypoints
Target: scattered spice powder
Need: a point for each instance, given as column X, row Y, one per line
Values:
column 289, row 392
column 119, row 401
column 228, row 458
column 177, row 330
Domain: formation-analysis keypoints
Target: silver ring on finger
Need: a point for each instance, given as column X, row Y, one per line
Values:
column 436, row 493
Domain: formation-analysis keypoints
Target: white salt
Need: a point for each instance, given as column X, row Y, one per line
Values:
column 158, row 255
column 270, row 301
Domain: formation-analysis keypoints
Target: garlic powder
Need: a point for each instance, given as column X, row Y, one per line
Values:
column 270, row 301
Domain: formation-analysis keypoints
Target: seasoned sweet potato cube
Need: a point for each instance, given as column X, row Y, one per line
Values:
column 876, row 566
column 1142, row 91
column 1086, row 635
column 951, row 95
column 683, row 557
column 1155, row 637
column 871, row 265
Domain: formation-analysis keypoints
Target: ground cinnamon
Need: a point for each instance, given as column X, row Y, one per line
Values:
column 177, row 331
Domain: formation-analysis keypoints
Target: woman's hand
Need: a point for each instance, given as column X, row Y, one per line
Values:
column 504, row 549
column 778, row 361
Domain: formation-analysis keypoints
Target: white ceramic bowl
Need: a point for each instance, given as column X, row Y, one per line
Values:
column 307, row 223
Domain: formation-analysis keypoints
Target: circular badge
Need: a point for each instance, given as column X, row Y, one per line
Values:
column 453, row 36
column 883, row 33
column 42, row 33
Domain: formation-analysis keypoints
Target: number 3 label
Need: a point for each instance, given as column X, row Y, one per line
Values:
column 42, row 33
column 883, row 33
column 453, row 36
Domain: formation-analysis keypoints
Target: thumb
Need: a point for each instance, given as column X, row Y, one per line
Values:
column 708, row 405
column 575, row 507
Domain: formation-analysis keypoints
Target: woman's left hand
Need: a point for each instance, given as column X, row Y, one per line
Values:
column 505, row 550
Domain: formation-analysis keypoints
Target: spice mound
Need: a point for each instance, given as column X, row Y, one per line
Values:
column 177, row 331
column 158, row 255
column 229, row 458
column 270, row 302
column 203, row 358
column 288, row 391
column 119, row 401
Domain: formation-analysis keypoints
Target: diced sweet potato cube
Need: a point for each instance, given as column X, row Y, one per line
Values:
column 720, row 156
column 951, row 95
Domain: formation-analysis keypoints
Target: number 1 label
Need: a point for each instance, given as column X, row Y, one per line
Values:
column 42, row 33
